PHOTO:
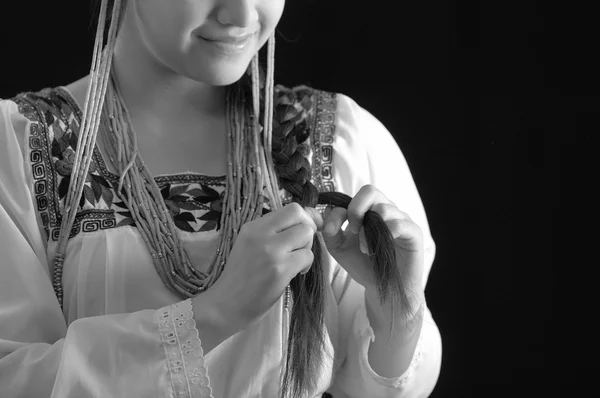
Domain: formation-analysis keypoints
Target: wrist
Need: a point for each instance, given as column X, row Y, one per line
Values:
column 212, row 326
column 405, row 317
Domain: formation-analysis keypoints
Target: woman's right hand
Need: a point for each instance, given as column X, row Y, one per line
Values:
column 266, row 255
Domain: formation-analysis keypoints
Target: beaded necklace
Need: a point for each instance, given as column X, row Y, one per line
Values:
column 250, row 176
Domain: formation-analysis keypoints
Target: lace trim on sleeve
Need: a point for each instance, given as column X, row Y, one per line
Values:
column 365, row 333
column 185, row 357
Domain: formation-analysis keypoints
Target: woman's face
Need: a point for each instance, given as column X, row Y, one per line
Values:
column 178, row 34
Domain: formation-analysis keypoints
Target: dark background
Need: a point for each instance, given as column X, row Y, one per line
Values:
column 495, row 108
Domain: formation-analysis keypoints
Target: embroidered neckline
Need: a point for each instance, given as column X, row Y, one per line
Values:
column 187, row 176
column 194, row 199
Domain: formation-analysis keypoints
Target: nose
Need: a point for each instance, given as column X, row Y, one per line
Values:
column 241, row 13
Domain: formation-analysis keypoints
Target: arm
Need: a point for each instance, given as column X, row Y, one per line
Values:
column 366, row 153
column 140, row 354
column 391, row 355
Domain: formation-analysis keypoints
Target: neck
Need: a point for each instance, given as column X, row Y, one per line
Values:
column 151, row 88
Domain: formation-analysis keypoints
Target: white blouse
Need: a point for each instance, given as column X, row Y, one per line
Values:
column 122, row 333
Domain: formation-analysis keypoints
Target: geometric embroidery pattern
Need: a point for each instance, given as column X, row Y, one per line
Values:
column 194, row 200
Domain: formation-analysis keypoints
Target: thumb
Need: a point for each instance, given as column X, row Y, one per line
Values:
column 333, row 234
column 316, row 217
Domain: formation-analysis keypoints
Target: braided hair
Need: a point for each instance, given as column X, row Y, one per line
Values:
column 306, row 340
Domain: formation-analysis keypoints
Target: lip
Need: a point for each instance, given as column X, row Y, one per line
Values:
column 230, row 39
column 229, row 44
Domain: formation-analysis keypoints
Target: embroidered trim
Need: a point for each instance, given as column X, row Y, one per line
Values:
column 54, row 117
column 183, row 350
column 195, row 207
column 318, row 107
column 187, row 178
column 89, row 221
column 365, row 331
column 322, row 141
column 77, row 115
column 52, row 123
column 402, row 380
column 41, row 169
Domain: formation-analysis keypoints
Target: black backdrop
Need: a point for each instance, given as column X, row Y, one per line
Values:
column 492, row 107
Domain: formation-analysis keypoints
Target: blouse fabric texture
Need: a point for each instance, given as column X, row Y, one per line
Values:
column 121, row 332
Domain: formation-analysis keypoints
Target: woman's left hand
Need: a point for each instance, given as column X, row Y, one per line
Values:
column 348, row 247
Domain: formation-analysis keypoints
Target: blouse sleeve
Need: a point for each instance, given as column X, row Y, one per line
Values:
column 148, row 353
column 364, row 152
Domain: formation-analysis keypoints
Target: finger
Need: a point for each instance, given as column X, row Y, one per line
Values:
column 299, row 261
column 316, row 217
column 327, row 212
column 298, row 237
column 366, row 197
column 388, row 212
column 334, row 221
column 362, row 241
column 406, row 233
column 287, row 217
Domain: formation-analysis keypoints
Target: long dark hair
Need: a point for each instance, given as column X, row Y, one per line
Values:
column 306, row 339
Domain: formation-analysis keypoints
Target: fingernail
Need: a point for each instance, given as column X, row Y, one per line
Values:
column 329, row 229
column 362, row 246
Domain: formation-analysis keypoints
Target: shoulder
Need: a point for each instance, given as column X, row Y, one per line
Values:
column 312, row 98
column 338, row 118
column 24, row 118
column 334, row 110
column 51, row 99
column 42, row 125
column 338, row 130
column 40, row 118
column 341, row 111
column 48, row 111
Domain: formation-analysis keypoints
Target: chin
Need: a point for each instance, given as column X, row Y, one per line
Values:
column 221, row 74
column 223, row 79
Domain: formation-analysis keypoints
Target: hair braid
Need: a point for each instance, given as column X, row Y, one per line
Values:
column 306, row 338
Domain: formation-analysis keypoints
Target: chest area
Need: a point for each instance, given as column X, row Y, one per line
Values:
column 199, row 149
column 169, row 149
column 190, row 169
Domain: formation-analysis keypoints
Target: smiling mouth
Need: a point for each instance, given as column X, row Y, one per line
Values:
column 229, row 45
column 230, row 39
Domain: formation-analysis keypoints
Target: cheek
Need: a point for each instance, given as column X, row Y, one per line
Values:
column 270, row 12
column 273, row 11
column 167, row 25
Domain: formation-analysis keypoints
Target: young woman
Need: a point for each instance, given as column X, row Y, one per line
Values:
column 160, row 236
